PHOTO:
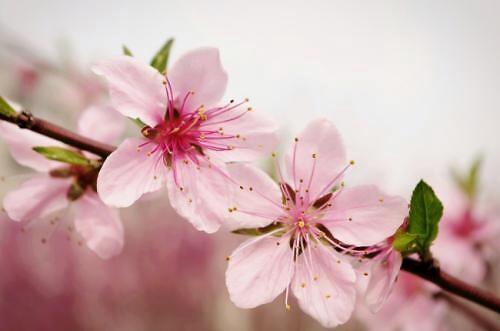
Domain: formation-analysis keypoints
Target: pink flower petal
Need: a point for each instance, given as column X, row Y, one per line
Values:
column 101, row 123
column 330, row 298
column 199, row 71
column 200, row 195
column 459, row 256
column 21, row 142
column 259, row 270
column 136, row 89
column 128, row 173
column 255, row 195
column 99, row 225
column 36, row 198
column 383, row 274
column 364, row 215
column 321, row 139
column 254, row 136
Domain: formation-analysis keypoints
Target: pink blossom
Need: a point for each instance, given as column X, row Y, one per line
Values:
column 301, row 219
column 187, row 138
column 411, row 307
column 382, row 269
column 50, row 190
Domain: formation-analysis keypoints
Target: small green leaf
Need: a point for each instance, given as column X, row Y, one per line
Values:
column 425, row 212
column 6, row 109
column 126, row 51
column 469, row 183
column 160, row 60
column 62, row 155
column 405, row 242
column 258, row 231
column 137, row 121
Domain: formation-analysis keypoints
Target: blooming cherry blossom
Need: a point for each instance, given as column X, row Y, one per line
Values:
column 308, row 224
column 60, row 185
column 187, row 139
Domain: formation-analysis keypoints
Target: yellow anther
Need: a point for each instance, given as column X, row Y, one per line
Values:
column 273, row 154
column 303, row 284
column 164, row 82
column 351, row 162
column 365, row 274
column 238, row 135
column 228, row 258
column 328, row 296
column 247, row 99
column 249, row 109
column 350, row 219
column 339, row 262
column 241, row 187
column 287, row 307
column 296, row 139
column 301, row 224
column 315, row 278
column 250, row 188
column 381, row 199
column 314, row 155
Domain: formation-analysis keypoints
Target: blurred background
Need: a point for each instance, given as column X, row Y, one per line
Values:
column 411, row 85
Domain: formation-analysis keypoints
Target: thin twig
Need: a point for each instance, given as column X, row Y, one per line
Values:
column 26, row 120
column 432, row 273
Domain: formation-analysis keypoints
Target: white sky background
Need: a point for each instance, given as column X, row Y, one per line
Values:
column 411, row 85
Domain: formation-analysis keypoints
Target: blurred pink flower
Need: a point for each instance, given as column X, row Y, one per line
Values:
column 50, row 191
column 411, row 307
column 186, row 133
column 383, row 270
column 300, row 215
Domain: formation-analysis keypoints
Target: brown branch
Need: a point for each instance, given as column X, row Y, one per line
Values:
column 26, row 120
column 432, row 273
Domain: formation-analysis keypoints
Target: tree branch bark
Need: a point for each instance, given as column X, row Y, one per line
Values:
column 26, row 120
column 432, row 273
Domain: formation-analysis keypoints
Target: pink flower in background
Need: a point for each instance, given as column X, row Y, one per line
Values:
column 410, row 307
column 187, row 137
column 302, row 218
column 383, row 269
column 52, row 189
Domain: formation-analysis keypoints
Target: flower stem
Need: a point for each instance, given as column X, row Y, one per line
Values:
column 431, row 272
column 26, row 120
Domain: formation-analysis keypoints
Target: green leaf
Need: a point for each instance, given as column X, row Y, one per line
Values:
column 469, row 183
column 425, row 212
column 6, row 109
column 160, row 60
column 62, row 155
column 405, row 242
column 258, row 231
column 137, row 121
column 126, row 51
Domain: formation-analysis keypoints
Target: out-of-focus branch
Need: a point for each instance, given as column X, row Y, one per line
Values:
column 431, row 272
column 479, row 319
column 26, row 120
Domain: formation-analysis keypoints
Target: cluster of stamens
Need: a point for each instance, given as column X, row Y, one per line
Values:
column 186, row 134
